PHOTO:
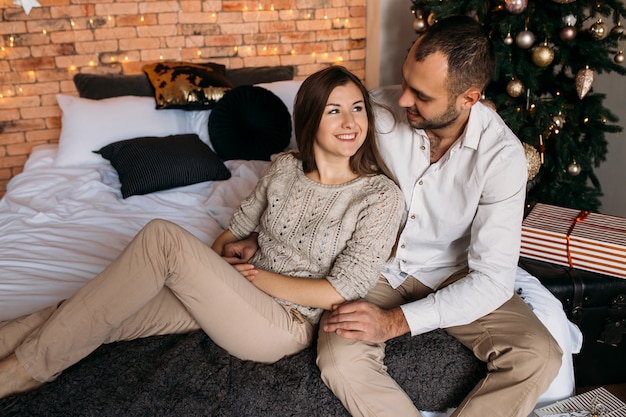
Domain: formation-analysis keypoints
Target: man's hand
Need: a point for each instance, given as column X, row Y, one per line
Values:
column 241, row 251
column 362, row 320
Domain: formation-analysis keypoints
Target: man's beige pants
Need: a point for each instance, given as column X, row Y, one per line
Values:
column 165, row 281
column 521, row 356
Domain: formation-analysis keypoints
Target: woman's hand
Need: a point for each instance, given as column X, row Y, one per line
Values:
column 235, row 251
column 241, row 251
column 247, row 270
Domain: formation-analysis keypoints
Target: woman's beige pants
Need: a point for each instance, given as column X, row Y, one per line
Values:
column 165, row 281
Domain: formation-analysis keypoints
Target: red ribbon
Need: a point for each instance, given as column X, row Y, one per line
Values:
column 582, row 215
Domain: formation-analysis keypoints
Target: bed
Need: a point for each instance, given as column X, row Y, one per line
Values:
column 63, row 220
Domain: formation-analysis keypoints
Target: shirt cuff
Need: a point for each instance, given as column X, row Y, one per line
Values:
column 421, row 315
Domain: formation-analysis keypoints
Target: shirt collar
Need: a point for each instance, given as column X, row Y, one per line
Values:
column 475, row 125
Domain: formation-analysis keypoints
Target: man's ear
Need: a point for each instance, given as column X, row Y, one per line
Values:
column 470, row 97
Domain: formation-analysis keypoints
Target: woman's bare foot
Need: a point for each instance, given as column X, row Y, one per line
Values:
column 13, row 379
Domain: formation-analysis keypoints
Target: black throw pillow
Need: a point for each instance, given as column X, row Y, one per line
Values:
column 251, row 123
column 149, row 164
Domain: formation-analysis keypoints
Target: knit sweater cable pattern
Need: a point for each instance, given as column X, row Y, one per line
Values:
column 344, row 233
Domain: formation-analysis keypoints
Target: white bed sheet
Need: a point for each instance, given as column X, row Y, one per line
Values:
column 59, row 227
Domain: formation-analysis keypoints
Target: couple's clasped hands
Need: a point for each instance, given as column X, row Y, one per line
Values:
column 358, row 319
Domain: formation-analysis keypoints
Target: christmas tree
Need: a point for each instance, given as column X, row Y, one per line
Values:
column 548, row 54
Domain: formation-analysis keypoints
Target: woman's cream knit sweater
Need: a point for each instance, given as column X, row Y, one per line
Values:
column 344, row 233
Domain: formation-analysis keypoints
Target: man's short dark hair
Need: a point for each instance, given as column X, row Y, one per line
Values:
column 468, row 48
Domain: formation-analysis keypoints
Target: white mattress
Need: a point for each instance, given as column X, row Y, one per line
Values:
column 59, row 227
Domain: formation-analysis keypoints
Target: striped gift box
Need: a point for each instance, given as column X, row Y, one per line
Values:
column 598, row 402
column 578, row 239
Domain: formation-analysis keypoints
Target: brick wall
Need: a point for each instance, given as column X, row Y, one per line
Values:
column 40, row 52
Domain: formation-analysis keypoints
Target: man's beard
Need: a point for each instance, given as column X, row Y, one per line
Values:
column 446, row 119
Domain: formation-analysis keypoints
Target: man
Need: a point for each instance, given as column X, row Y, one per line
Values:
column 463, row 174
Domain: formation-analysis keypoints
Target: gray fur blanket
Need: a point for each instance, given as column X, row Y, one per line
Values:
column 188, row 375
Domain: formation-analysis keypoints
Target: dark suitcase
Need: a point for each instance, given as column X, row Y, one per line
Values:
column 597, row 305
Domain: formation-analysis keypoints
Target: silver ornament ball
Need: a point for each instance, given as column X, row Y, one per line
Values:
column 559, row 121
column 619, row 58
column 419, row 25
column 570, row 20
column 525, row 39
column 574, row 169
column 516, row 6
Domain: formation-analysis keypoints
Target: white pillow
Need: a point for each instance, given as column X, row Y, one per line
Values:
column 88, row 125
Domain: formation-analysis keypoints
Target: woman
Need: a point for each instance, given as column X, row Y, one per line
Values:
column 327, row 218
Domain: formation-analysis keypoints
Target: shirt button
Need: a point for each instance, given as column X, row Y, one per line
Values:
column 403, row 246
column 421, row 182
column 404, row 261
column 412, row 216
column 423, row 147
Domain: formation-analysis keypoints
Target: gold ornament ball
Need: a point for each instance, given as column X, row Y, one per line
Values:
column 533, row 160
column 568, row 33
column 619, row 58
column 419, row 25
column 508, row 39
column 515, row 88
column 525, row 39
column 574, row 169
column 618, row 29
column 599, row 30
column 543, row 55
